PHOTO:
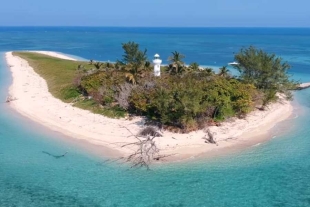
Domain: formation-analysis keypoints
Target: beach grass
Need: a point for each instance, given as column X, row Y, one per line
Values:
column 59, row 75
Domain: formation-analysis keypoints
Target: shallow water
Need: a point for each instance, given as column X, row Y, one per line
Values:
column 274, row 173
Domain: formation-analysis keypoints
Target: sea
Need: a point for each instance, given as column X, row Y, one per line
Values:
column 274, row 173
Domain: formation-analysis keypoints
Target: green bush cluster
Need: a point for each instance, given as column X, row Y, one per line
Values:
column 186, row 98
column 189, row 102
column 267, row 72
column 102, row 86
column 184, row 102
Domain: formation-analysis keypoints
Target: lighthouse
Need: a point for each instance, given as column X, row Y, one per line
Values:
column 157, row 62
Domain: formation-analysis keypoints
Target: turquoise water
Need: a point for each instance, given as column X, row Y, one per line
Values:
column 274, row 173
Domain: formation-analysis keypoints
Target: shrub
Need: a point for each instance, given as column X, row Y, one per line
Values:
column 149, row 131
column 267, row 72
column 189, row 101
column 70, row 93
column 185, row 101
column 123, row 94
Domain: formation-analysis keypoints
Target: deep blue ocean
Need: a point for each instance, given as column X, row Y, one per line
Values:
column 274, row 173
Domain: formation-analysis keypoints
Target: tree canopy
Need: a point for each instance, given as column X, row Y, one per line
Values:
column 133, row 54
column 177, row 58
column 194, row 67
column 224, row 72
column 186, row 98
column 176, row 63
column 134, row 61
column 266, row 72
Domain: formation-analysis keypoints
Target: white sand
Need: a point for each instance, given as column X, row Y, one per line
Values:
column 34, row 101
column 55, row 54
column 304, row 85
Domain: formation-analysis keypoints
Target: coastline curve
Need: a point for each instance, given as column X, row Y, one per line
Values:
column 34, row 101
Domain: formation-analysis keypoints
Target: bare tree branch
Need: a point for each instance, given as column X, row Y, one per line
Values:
column 146, row 150
column 10, row 99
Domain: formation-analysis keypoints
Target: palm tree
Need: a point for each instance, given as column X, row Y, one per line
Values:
column 134, row 61
column 224, row 72
column 176, row 61
column 118, row 65
column 133, row 72
column 136, row 69
column 109, row 65
column 176, row 58
column 147, row 65
column 132, row 78
column 208, row 71
column 194, row 66
column 98, row 65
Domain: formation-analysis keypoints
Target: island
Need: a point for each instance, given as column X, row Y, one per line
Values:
column 186, row 112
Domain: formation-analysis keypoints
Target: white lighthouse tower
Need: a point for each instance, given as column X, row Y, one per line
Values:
column 157, row 62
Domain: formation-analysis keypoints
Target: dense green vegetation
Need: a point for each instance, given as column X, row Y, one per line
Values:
column 267, row 72
column 183, row 99
column 189, row 102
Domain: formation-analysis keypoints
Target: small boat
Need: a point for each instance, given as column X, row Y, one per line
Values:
column 233, row 63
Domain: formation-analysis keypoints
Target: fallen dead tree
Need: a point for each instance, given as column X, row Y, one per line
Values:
column 145, row 150
column 10, row 99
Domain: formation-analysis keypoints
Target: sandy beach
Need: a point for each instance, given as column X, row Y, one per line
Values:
column 55, row 54
column 33, row 100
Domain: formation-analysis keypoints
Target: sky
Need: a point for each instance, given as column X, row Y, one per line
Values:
column 156, row 13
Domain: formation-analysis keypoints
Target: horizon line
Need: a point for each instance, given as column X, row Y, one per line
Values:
column 284, row 27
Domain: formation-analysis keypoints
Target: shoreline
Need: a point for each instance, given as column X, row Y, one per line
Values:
column 55, row 54
column 35, row 102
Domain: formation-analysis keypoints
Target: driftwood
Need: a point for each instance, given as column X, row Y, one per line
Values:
column 10, row 99
column 230, row 138
column 209, row 137
column 146, row 151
